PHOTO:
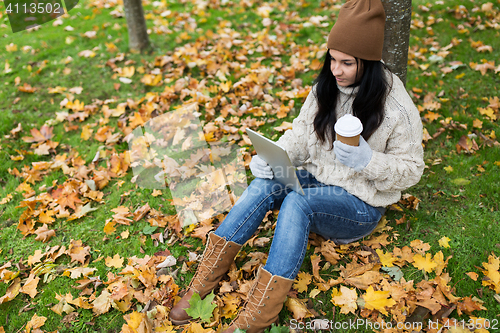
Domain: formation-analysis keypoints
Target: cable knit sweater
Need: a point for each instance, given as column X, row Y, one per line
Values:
column 397, row 160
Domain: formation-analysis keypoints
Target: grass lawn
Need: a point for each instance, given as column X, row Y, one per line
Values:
column 80, row 251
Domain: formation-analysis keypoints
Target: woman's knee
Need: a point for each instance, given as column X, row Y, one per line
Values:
column 264, row 186
column 296, row 203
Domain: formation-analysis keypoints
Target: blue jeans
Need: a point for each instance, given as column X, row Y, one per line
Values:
column 326, row 210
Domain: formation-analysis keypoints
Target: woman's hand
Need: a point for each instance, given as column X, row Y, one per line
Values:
column 260, row 168
column 353, row 157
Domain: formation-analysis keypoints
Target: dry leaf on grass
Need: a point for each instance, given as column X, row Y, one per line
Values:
column 44, row 233
column 30, row 286
column 116, row 261
column 102, row 304
column 378, row 300
column 346, row 299
column 302, row 280
column 298, row 308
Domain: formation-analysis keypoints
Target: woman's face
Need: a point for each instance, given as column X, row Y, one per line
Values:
column 344, row 67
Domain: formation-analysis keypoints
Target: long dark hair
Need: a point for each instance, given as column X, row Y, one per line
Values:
column 368, row 105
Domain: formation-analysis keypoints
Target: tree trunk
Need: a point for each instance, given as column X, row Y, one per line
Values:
column 138, row 39
column 397, row 36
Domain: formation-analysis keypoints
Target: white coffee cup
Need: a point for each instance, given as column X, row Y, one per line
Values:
column 348, row 129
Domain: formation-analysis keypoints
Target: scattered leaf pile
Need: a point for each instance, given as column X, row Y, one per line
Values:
column 370, row 283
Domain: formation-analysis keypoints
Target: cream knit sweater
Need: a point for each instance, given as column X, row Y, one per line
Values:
column 397, row 160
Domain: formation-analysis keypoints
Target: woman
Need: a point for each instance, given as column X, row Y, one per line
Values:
column 346, row 188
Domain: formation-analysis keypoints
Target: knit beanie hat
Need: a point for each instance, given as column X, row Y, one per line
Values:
column 359, row 30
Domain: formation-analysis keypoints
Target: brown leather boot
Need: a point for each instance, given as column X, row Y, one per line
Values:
column 215, row 262
column 264, row 303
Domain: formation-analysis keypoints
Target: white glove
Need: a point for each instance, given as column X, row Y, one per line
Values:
column 260, row 168
column 354, row 157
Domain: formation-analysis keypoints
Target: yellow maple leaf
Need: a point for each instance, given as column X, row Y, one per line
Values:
column 197, row 328
column 156, row 193
column 488, row 112
column 431, row 116
column 116, row 261
column 209, row 137
column 346, row 300
column 448, row 169
column 135, row 319
column 125, row 234
column 46, row 216
column 11, row 47
column 76, row 105
column 110, row 47
column 230, row 308
column 109, row 227
column 86, row 132
column 24, row 187
column 476, row 123
column 335, row 293
column 443, row 242
column 426, row 263
column 127, row 71
column 302, row 281
column 440, row 262
column 492, row 273
column 225, row 86
column 378, row 300
column 386, row 259
column 151, row 79
column 420, row 246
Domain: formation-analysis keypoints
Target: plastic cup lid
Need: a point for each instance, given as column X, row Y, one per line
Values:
column 348, row 126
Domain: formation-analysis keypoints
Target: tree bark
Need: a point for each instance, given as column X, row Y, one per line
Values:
column 138, row 39
column 397, row 36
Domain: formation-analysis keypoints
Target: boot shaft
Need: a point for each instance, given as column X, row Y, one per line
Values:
column 216, row 259
column 264, row 303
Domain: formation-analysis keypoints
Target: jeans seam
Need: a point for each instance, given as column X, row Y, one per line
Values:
column 343, row 218
column 302, row 255
column 296, row 269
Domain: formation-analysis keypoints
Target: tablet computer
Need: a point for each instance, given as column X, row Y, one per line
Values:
column 278, row 160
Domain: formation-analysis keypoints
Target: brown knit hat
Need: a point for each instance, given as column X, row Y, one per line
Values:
column 359, row 30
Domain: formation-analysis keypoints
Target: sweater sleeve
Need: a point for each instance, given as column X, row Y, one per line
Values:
column 294, row 140
column 401, row 165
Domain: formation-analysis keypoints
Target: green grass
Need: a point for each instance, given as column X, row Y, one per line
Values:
column 468, row 214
